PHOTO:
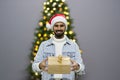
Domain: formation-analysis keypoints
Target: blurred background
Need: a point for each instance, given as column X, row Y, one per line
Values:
column 97, row 25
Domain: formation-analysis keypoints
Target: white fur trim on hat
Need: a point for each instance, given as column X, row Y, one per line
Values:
column 48, row 26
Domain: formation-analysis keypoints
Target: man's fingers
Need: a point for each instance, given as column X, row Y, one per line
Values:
column 46, row 69
column 72, row 61
column 45, row 60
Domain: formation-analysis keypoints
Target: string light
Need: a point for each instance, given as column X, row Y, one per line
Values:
column 36, row 46
column 40, row 23
column 68, row 23
column 54, row 4
column 48, row 8
column 39, row 35
column 48, row 3
column 36, row 49
column 37, row 42
column 51, row 0
column 44, row 3
column 59, row 5
column 51, row 35
column 64, row 13
column 67, row 13
column 67, row 17
column 81, row 51
column 51, row 11
column 44, row 17
column 36, row 73
column 57, row 0
column 46, row 11
column 48, row 14
column 45, row 35
column 70, row 32
column 54, row 9
column 34, row 54
column 63, row 0
column 47, row 22
column 44, row 7
column 66, row 8
column 73, row 40
column 41, row 38
column 65, row 32
column 46, row 38
column 45, row 29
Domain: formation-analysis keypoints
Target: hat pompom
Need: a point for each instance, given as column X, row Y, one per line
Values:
column 48, row 26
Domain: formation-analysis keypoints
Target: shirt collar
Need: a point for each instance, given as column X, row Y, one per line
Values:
column 50, row 41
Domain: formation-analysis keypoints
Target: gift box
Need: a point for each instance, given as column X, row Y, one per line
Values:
column 59, row 65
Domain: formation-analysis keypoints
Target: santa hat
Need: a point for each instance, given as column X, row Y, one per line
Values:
column 56, row 18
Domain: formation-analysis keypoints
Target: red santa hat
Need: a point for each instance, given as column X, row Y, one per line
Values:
column 56, row 18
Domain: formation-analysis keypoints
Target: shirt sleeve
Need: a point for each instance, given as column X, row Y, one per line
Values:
column 38, row 59
column 79, row 60
column 36, row 68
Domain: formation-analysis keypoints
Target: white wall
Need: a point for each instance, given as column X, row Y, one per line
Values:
column 97, row 25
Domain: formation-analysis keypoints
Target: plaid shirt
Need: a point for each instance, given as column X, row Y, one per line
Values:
column 47, row 48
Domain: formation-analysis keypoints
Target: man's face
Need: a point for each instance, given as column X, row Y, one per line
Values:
column 59, row 29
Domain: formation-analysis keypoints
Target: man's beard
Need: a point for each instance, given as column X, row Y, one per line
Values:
column 59, row 35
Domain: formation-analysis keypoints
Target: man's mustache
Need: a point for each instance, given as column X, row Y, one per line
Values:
column 59, row 30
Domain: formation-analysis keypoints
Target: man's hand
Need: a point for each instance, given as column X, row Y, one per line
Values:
column 75, row 66
column 43, row 65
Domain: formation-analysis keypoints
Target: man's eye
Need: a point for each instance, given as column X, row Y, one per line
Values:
column 56, row 25
column 61, row 25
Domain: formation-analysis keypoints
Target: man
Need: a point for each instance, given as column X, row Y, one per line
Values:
column 58, row 44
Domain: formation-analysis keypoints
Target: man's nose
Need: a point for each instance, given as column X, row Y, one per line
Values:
column 59, row 27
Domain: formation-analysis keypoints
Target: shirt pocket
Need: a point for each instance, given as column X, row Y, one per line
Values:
column 47, row 54
column 69, row 54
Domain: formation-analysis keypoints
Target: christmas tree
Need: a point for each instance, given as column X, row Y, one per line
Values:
column 50, row 8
